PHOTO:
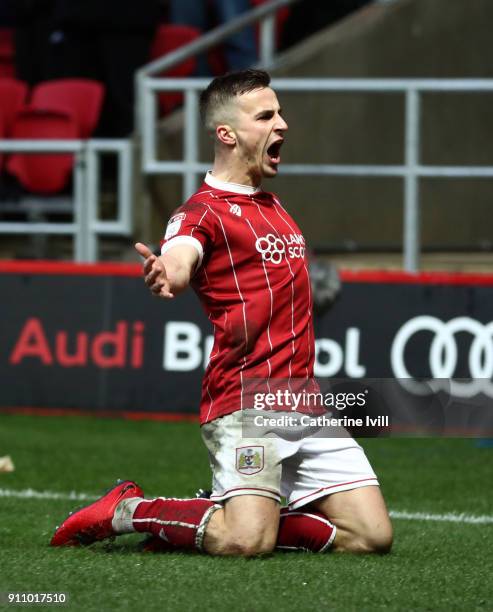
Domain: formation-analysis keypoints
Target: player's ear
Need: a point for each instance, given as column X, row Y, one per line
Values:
column 226, row 134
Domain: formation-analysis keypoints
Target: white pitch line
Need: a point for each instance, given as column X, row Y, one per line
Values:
column 32, row 494
column 449, row 517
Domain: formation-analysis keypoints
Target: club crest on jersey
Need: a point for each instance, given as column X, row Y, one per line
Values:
column 174, row 225
column 271, row 248
column 235, row 210
column 250, row 459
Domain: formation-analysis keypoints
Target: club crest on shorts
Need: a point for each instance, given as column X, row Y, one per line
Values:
column 250, row 459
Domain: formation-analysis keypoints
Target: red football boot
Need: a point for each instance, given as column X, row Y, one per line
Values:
column 93, row 522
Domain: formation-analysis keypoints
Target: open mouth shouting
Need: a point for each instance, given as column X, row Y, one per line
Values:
column 273, row 152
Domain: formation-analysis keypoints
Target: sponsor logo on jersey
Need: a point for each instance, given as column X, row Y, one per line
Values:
column 250, row 459
column 295, row 245
column 274, row 248
column 271, row 248
column 174, row 225
column 235, row 210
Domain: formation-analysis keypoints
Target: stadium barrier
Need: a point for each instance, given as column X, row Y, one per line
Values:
column 412, row 171
column 91, row 337
column 87, row 224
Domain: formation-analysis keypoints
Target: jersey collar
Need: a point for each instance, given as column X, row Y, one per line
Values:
column 214, row 182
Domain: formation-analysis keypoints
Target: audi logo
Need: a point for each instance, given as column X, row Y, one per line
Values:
column 271, row 248
column 443, row 356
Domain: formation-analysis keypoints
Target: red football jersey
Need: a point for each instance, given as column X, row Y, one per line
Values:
column 252, row 279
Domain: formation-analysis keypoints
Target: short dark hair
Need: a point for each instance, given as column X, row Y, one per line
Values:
column 226, row 87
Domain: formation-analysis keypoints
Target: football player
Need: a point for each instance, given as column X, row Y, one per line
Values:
column 239, row 249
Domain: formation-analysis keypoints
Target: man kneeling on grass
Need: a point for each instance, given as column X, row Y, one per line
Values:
column 233, row 243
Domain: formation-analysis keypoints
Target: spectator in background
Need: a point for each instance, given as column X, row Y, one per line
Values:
column 106, row 40
column 309, row 16
column 7, row 14
column 32, row 20
column 240, row 50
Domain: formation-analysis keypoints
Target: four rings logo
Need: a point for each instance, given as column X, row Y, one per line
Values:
column 443, row 356
column 271, row 248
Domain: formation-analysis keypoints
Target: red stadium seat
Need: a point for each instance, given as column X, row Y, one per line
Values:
column 7, row 53
column 12, row 97
column 80, row 98
column 43, row 173
column 168, row 38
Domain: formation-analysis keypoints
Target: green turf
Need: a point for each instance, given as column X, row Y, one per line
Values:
column 433, row 566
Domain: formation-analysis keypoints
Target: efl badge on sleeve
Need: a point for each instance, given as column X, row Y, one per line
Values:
column 250, row 459
column 174, row 225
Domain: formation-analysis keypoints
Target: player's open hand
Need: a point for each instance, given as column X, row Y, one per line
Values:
column 154, row 272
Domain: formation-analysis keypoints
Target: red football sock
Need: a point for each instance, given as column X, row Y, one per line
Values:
column 309, row 531
column 180, row 522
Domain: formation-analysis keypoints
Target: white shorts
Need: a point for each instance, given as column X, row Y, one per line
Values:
column 301, row 470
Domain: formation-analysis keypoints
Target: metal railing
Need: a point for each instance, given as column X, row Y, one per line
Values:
column 411, row 171
column 264, row 15
column 86, row 225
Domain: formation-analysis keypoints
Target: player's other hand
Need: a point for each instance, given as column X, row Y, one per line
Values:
column 154, row 272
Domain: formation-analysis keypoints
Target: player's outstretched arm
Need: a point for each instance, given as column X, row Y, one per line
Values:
column 169, row 274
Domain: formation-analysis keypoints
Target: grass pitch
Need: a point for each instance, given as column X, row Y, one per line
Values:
column 438, row 562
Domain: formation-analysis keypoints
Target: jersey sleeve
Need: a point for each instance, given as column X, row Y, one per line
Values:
column 191, row 224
